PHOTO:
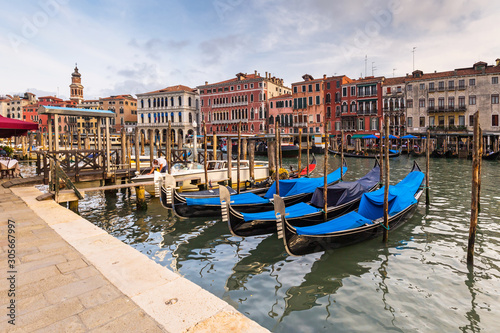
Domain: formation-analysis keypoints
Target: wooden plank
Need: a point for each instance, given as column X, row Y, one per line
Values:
column 45, row 196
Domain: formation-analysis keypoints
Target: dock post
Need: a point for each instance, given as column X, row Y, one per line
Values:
column 137, row 153
column 475, row 190
column 386, row 181
column 277, row 151
column 300, row 153
column 151, row 146
column 124, row 148
column 244, row 147
column 325, row 175
column 140, row 193
column 205, row 155
column 229, row 146
column 143, row 138
column 73, row 206
column 214, row 146
column 251, row 158
column 427, row 163
column 238, row 168
column 341, row 155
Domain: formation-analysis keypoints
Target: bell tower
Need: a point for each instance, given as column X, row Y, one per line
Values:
column 76, row 88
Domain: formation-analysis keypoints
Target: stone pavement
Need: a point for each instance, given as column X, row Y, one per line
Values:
column 72, row 276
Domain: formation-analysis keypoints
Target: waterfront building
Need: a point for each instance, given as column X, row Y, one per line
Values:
column 66, row 123
column 393, row 95
column 15, row 105
column 333, row 102
column 125, row 109
column 244, row 98
column 445, row 102
column 87, row 125
column 281, row 110
column 3, row 104
column 308, row 104
column 177, row 104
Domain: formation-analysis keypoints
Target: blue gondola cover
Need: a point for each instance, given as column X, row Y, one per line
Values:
column 371, row 207
column 296, row 210
column 238, row 199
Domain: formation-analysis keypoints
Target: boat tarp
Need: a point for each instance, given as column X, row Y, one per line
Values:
column 392, row 151
column 341, row 193
column 289, row 187
column 371, row 207
column 345, row 222
column 401, row 196
column 237, row 199
column 296, row 210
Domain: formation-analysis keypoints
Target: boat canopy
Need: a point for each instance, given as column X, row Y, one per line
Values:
column 289, row 187
column 340, row 193
column 238, row 199
column 296, row 210
column 371, row 207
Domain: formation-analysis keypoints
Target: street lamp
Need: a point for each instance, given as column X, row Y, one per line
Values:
column 195, row 151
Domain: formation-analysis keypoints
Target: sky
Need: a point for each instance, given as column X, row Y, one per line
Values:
column 130, row 47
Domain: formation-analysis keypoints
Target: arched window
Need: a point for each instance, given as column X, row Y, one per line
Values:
column 180, row 101
column 162, row 102
column 149, row 103
column 190, row 115
column 142, row 104
column 180, row 116
column 189, row 101
column 171, row 101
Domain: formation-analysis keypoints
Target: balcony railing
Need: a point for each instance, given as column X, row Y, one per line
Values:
column 229, row 105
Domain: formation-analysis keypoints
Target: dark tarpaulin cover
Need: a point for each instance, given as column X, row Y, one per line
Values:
column 295, row 186
column 341, row 193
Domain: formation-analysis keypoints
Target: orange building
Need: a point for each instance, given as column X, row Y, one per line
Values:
column 308, row 104
column 125, row 108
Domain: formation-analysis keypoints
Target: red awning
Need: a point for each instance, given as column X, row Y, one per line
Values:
column 13, row 127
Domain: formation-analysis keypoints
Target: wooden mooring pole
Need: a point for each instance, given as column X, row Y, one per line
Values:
column 427, row 163
column 238, row 169
column 386, row 181
column 342, row 155
column 476, row 176
column 300, row 152
column 140, row 193
column 205, row 155
column 325, row 175
column 278, row 148
column 137, row 152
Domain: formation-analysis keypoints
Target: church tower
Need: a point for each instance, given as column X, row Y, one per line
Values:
column 76, row 88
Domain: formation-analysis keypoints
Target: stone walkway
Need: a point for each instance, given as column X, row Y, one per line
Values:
column 73, row 277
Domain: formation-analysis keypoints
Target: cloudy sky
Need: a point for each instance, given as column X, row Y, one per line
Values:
column 129, row 47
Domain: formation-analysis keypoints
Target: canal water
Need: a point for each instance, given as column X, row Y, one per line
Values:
column 418, row 281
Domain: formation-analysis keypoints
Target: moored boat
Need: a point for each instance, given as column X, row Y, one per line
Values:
column 341, row 197
column 354, row 227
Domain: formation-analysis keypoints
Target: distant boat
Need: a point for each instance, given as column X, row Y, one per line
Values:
column 392, row 153
column 288, row 148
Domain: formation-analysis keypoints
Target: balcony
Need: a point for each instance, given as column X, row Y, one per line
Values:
column 431, row 90
column 452, row 88
column 229, row 105
column 449, row 128
column 441, row 88
column 461, row 87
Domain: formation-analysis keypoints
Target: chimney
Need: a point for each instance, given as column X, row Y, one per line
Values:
column 497, row 62
column 206, row 83
column 266, row 75
column 255, row 72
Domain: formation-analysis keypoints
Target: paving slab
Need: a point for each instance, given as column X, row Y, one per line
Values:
column 81, row 279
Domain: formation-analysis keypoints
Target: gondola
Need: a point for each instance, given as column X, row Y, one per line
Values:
column 491, row 155
column 294, row 190
column 438, row 153
column 342, row 198
column 417, row 154
column 392, row 153
column 206, row 203
column 306, row 171
column 357, row 226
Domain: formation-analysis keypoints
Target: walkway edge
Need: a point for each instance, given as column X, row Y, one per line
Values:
column 177, row 304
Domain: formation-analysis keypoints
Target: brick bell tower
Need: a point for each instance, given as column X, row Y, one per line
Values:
column 76, row 88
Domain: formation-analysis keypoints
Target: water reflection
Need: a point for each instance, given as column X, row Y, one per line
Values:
column 399, row 286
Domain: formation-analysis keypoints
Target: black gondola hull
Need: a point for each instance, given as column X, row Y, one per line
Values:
column 298, row 245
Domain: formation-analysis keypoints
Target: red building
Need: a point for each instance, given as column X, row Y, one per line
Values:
column 281, row 108
column 30, row 113
column 308, row 104
column 333, row 102
column 360, row 111
column 244, row 98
